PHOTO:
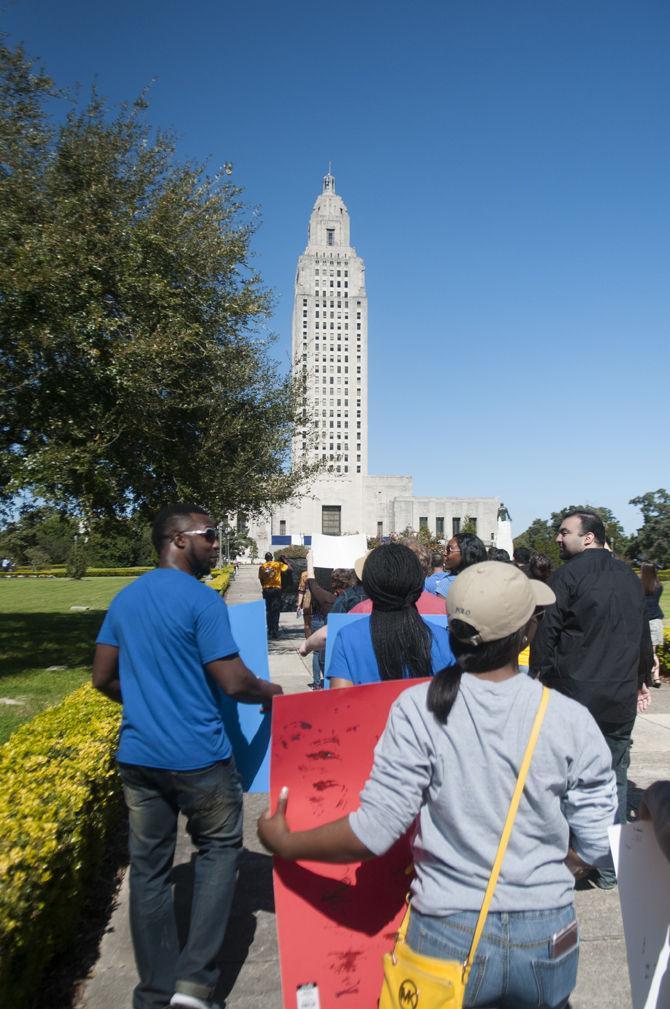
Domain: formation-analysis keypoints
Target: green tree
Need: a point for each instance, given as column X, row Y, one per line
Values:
column 39, row 536
column 131, row 363
column 540, row 537
column 652, row 541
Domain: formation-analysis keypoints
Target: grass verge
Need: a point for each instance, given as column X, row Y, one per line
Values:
column 38, row 631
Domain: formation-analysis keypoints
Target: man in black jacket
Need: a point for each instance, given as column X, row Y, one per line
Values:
column 594, row 643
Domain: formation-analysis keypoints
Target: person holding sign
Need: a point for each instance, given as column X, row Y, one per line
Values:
column 164, row 647
column 451, row 755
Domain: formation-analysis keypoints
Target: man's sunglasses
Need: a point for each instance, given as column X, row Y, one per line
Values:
column 210, row 534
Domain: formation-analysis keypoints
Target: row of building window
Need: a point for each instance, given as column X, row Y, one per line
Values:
column 439, row 524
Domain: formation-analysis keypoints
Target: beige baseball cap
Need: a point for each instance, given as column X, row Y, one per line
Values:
column 360, row 564
column 496, row 599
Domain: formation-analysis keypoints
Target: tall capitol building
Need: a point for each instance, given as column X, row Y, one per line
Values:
column 330, row 340
column 330, row 361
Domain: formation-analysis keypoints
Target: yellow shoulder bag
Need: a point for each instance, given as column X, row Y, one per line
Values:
column 415, row 981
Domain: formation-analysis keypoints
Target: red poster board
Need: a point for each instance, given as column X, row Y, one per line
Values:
column 334, row 922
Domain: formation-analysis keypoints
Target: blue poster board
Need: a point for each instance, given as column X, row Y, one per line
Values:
column 248, row 729
column 336, row 621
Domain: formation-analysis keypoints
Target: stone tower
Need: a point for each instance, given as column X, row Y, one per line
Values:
column 330, row 341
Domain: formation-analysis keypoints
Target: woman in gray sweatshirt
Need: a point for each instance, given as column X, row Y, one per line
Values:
column 449, row 758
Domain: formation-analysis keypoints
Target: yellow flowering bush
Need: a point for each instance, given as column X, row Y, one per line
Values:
column 664, row 653
column 59, row 796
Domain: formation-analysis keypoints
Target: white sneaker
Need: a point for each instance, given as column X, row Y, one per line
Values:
column 182, row 1001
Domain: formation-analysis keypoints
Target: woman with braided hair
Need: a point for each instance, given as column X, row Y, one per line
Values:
column 396, row 642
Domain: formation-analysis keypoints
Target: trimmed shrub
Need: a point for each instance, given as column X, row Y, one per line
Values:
column 59, row 797
column 62, row 573
column 220, row 579
column 664, row 653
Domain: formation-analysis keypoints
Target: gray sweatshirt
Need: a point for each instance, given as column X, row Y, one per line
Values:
column 459, row 778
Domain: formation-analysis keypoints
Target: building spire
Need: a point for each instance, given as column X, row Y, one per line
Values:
column 329, row 180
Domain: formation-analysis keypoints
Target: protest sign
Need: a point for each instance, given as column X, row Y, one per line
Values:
column 643, row 874
column 337, row 551
column 336, row 621
column 334, row 922
column 248, row 729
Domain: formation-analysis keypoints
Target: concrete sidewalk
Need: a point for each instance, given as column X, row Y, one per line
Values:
column 250, row 973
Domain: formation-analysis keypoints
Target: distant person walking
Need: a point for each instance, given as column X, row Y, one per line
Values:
column 437, row 575
column 652, row 601
column 163, row 650
column 269, row 575
column 594, row 644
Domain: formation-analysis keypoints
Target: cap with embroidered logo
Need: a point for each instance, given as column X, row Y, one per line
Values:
column 496, row 599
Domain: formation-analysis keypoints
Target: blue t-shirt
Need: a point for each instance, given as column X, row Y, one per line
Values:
column 432, row 582
column 445, row 584
column 167, row 625
column 354, row 656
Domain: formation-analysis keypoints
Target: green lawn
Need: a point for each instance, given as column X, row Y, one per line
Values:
column 665, row 603
column 38, row 630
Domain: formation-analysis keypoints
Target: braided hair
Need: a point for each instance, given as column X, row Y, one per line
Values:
column 402, row 642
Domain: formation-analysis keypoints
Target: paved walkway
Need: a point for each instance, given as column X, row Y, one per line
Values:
column 250, row 976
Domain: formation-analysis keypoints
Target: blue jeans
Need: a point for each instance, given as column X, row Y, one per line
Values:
column 318, row 658
column 512, row 968
column 211, row 800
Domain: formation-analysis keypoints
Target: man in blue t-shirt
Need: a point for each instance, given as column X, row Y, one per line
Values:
column 437, row 576
column 163, row 649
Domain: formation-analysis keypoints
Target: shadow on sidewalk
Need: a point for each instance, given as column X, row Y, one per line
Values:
column 253, row 893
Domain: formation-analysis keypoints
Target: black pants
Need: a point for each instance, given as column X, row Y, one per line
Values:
column 272, row 599
column 617, row 736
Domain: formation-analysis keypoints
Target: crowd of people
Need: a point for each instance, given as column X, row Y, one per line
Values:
column 487, row 634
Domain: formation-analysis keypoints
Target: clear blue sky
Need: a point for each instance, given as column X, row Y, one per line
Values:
column 506, row 167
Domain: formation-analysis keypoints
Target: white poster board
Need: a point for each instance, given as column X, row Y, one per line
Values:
column 337, row 551
column 643, row 874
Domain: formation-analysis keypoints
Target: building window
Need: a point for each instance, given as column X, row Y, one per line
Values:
column 330, row 236
column 472, row 522
column 282, row 527
column 439, row 526
column 423, row 522
column 455, row 525
column 331, row 520
column 380, row 530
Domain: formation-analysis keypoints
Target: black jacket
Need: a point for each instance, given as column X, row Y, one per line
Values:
column 594, row 643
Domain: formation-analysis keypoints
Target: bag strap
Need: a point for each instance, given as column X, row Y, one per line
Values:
column 507, row 830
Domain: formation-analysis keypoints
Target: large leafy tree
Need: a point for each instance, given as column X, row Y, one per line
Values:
column 652, row 541
column 540, row 537
column 131, row 369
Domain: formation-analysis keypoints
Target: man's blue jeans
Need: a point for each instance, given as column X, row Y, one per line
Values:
column 211, row 800
column 513, row 968
column 318, row 658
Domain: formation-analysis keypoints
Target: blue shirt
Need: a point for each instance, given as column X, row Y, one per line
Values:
column 432, row 582
column 445, row 584
column 167, row 625
column 354, row 656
